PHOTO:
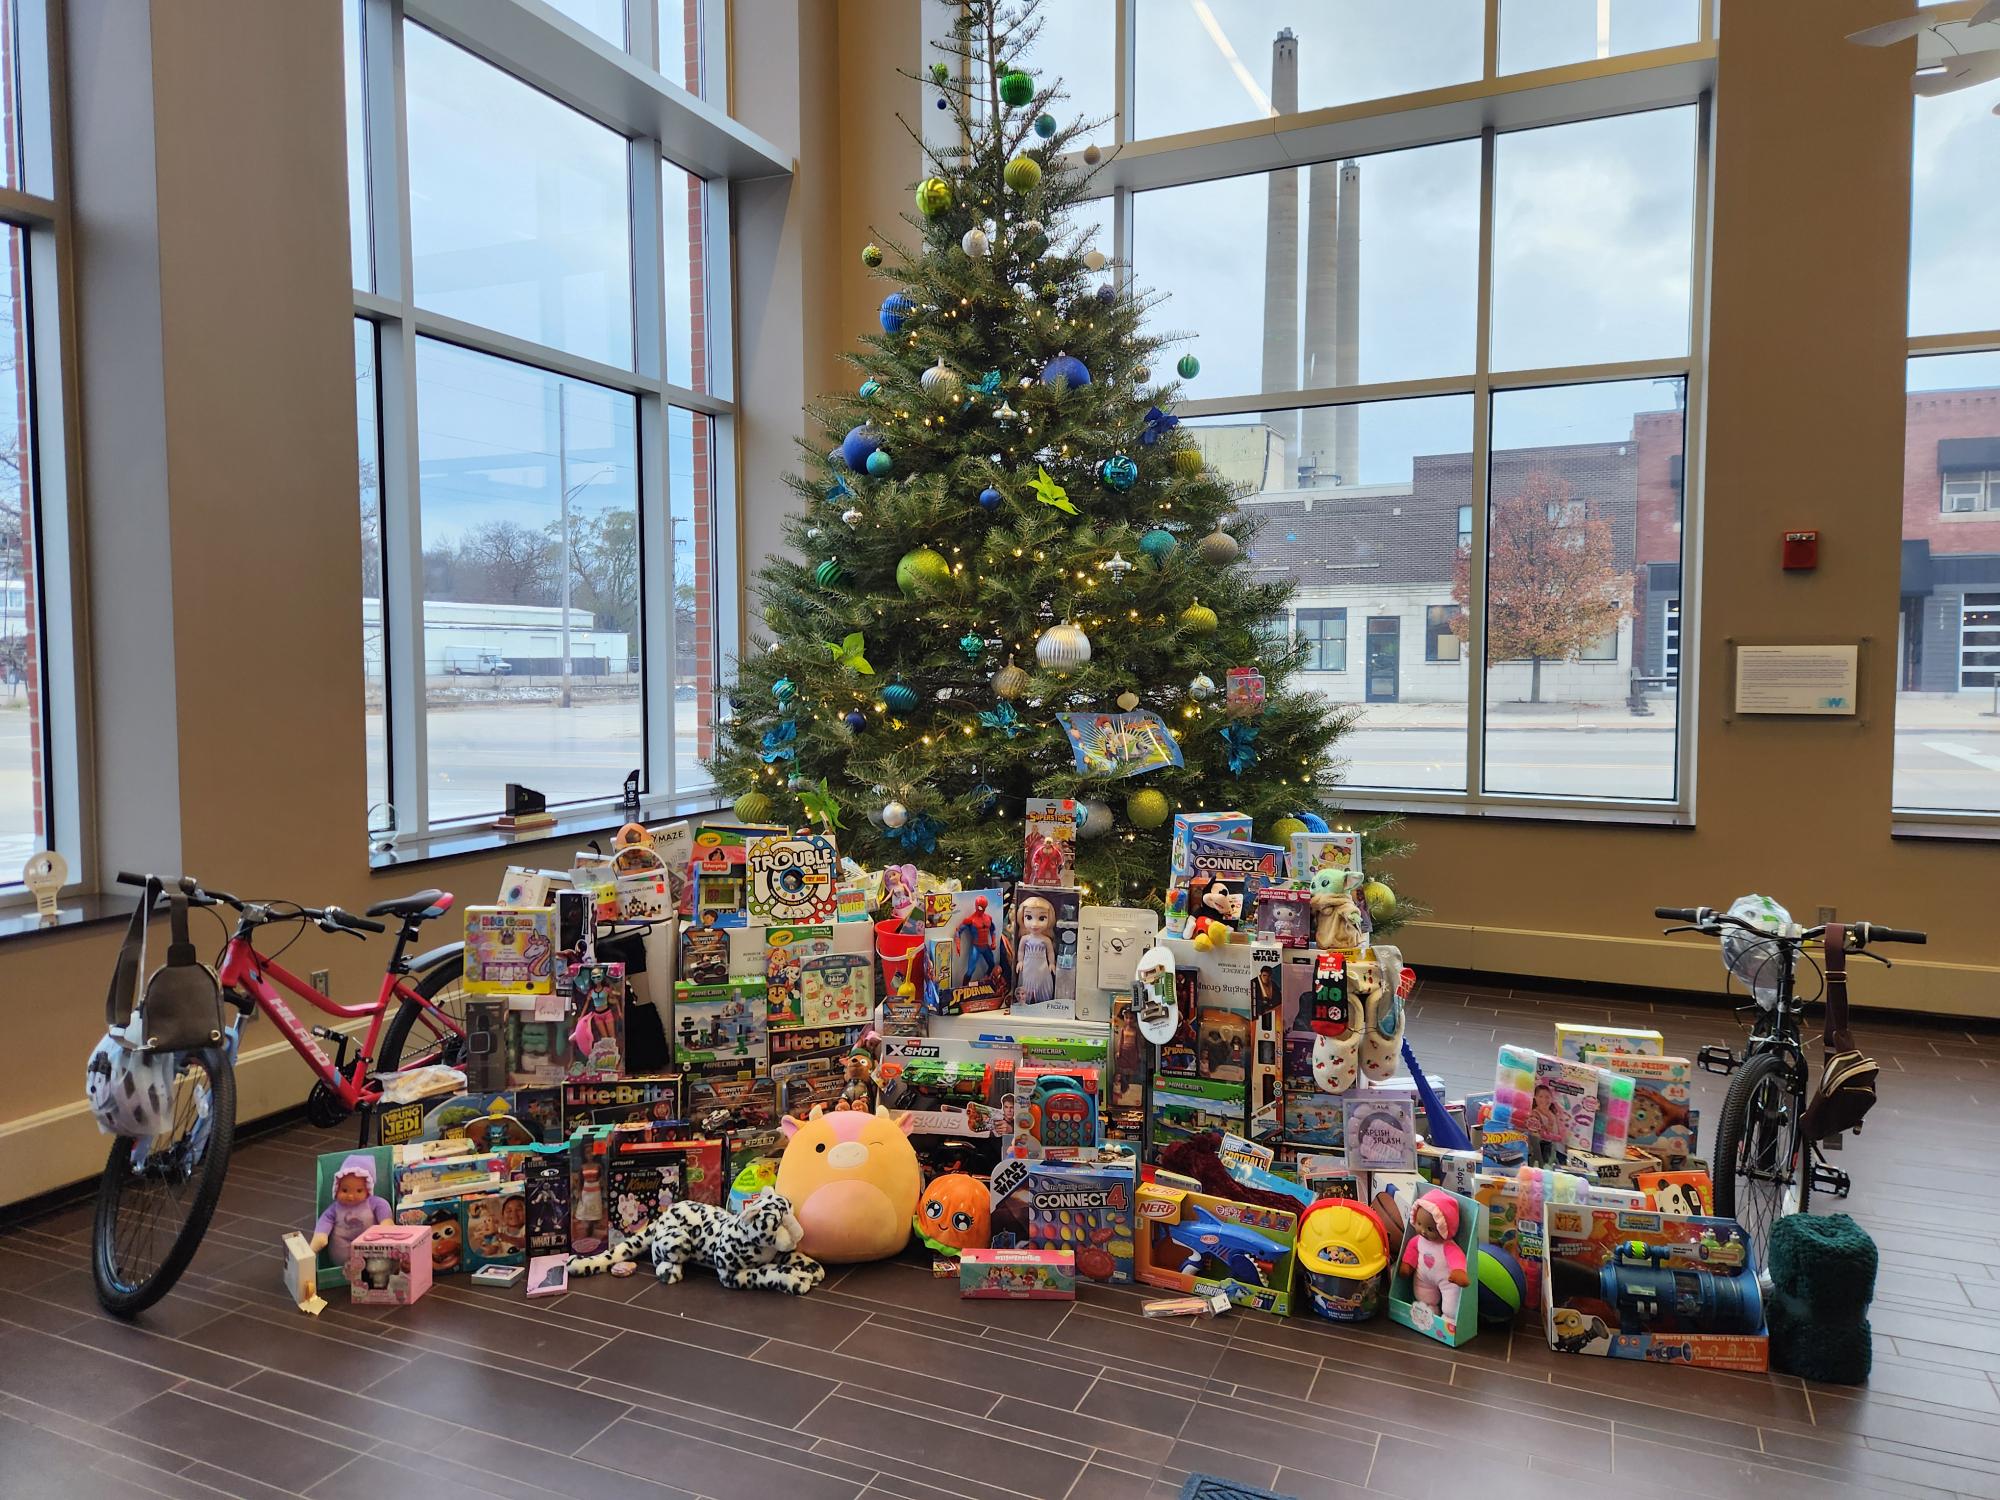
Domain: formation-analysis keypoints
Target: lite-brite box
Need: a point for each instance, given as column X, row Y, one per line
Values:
column 1670, row 1288
column 1189, row 1241
column 1572, row 1039
column 510, row 948
column 1017, row 1275
column 1611, row 1171
column 1207, row 825
column 1663, row 1117
column 1085, row 1207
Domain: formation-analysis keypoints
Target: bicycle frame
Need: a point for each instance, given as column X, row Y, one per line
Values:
column 246, row 971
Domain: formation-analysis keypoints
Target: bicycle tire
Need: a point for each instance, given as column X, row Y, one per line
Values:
column 433, row 982
column 117, row 1290
column 1759, row 1131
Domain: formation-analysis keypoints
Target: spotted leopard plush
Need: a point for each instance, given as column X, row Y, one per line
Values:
column 757, row 1249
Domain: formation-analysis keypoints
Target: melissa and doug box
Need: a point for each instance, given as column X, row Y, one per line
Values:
column 1670, row 1288
column 1208, row 825
column 1085, row 1207
column 1189, row 1241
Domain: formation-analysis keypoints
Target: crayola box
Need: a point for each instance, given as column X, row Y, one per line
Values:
column 1188, row 1241
column 1670, row 1288
column 1571, row 1039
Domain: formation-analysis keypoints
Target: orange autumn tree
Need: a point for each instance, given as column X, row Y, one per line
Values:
column 1552, row 581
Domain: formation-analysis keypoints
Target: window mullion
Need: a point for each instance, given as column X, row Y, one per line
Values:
column 1482, row 431
column 656, row 555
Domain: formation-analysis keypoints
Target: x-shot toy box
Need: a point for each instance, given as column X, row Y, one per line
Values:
column 1670, row 1288
column 1189, row 1241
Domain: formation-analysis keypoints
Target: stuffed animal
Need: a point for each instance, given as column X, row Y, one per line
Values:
column 854, row 1181
column 1431, row 1256
column 1337, row 922
column 955, row 1214
column 755, row 1249
column 1200, row 1157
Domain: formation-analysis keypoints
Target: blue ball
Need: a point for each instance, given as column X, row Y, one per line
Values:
column 879, row 463
column 856, row 720
column 895, row 308
column 990, row 498
column 1119, row 472
column 1503, row 1286
column 1158, row 544
column 900, row 697
column 858, row 444
column 869, row 387
column 1066, row 367
column 836, row 459
column 1045, row 126
column 1107, row 294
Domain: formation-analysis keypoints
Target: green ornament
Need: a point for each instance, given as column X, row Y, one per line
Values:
column 871, row 387
column 1189, row 367
column 921, row 571
column 1281, row 831
column 900, row 697
column 940, row 73
column 1023, row 174
column 1045, row 126
column 828, row 573
column 1016, row 89
column 871, row 256
column 880, row 463
column 933, row 197
column 1158, row 544
column 971, row 644
column 752, row 807
column 1147, row 808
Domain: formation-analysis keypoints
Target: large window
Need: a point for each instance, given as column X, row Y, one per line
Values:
column 1947, row 646
column 40, row 790
column 1449, row 376
column 543, row 411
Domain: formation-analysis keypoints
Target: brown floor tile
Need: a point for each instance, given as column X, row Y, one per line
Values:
column 498, row 1396
column 230, row 1441
column 711, row 1469
column 946, row 1447
column 770, row 1391
column 73, row 1378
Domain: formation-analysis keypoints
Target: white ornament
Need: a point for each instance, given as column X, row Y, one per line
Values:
column 1093, row 260
column 813, row 533
column 1005, row 411
column 851, row 516
column 974, row 244
column 895, row 815
column 1202, row 688
column 1062, row 647
column 939, row 379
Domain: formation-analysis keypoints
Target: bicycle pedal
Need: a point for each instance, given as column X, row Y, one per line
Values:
column 1715, row 1058
column 1831, row 1180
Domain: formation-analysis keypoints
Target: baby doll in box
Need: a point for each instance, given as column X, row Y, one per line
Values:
column 355, row 1207
column 1431, row 1255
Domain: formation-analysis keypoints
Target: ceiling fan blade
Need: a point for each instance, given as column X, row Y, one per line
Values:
column 1990, row 11
column 1962, row 72
column 1904, row 27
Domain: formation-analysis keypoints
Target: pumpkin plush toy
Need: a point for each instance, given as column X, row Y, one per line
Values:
column 955, row 1214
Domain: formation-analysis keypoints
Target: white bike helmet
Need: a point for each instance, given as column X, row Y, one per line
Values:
column 131, row 1092
column 1751, row 959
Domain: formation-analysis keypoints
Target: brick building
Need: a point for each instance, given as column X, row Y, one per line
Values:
column 1949, row 635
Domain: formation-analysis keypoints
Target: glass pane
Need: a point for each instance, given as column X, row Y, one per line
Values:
column 605, row 18
column 691, row 512
column 520, row 209
column 1076, row 47
column 1549, row 33
column 1218, row 62
column 1592, row 240
column 23, row 809
column 529, row 488
column 1368, row 561
column 374, row 639
column 684, row 212
column 1955, row 213
column 680, row 43
column 1270, row 304
column 357, row 150
column 1583, row 577
column 1947, row 674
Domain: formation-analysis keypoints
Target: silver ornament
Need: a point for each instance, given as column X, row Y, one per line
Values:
column 1005, row 412
column 940, row 378
column 894, row 815
column 851, row 516
column 813, row 533
column 1117, row 567
column 1202, row 688
column 1062, row 647
column 975, row 243
column 1142, row 375
column 1095, row 821
column 1093, row 260
column 1218, row 547
column 797, row 783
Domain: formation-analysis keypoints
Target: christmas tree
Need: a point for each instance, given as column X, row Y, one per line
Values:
column 1004, row 522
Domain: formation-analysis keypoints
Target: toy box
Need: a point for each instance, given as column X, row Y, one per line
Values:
column 618, row 1101
column 390, row 1265
column 1085, row 1207
column 1425, row 1292
column 1017, row 1275
column 483, row 1059
column 1571, row 1039
column 722, row 1028
column 1678, row 1192
column 1314, row 1120
column 968, row 959
column 1663, row 1118
column 1285, row 916
column 597, row 1037
column 1109, row 942
column 1185, row 1107
column 448, row 1177
column 1611, row 1171
column 1563, row 1114
column 1671, row 1288
column 1222, row 1045
column 445, row 1219
column 1313, row 852
column 301, row 1273
column 704, row 955
column 331, row 1270
column 489, row 1121
column 787, row 950
column 792, row 877
column 1208, row 825
column 543, row 1172
column 1224, row 879
column 1188, row 1241
column 1042, row 924
column 537, row 1043
column 1457, row 1170
column 718, row 872
column 1379, row 1131
column 496, row 1227
column 510, row 948
column 1049, row 853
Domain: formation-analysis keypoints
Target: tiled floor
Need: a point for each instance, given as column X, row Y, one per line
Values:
column 883, row 1383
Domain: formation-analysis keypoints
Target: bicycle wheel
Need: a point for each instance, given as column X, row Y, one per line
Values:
column 412, row 1030
column 1758, row 1173
column 157, row 1196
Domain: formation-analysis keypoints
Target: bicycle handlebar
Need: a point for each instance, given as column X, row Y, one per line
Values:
column 1860, row 934
column 1677, row 913
column 329, row 919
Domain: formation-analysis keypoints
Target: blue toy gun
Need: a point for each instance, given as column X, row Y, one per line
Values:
column 1245, row 1251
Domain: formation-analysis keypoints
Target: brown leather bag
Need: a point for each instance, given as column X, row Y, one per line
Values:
column 1847, row 1076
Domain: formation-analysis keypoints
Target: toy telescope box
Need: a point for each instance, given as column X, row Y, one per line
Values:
column 1188, row 1241
column 1670, row 1288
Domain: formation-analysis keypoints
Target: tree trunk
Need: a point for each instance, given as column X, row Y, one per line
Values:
column 1534, row 679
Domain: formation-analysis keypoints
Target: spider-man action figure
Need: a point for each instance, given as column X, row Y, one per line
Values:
column 977, row 927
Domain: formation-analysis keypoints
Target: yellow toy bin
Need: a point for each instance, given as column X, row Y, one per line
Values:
column 1343, row 1255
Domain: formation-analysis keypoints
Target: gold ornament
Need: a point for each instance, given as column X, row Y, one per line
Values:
column 1009, row 682
column 1219, row 548
column 1200, row 619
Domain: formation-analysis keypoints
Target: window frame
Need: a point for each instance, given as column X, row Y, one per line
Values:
column 662, row 124
column 1436, row 630
column 1321, row 616
column 1495, row 105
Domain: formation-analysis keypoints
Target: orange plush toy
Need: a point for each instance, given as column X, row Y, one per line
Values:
column 853, row 1180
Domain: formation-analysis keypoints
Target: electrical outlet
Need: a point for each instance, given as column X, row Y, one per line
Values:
column 1826, row 914
column 318, row 980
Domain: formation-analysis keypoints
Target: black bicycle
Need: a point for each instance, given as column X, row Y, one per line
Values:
column 1768, row 1156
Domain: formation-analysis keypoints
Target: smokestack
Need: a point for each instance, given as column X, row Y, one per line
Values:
column 1347, row 325
column 1317, row 440
column 1281, row 264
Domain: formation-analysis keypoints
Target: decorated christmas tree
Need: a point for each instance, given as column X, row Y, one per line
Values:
column 1015, row 577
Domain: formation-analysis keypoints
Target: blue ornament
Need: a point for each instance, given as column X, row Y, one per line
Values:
column 1107, row 294
column 1158, row 425
column 1158, row 544
column 1313, row 821
column 990, row 498
column 869, row 387
column 835, row 459
column 985, row 798
column 895, row 308
column 900, row 696
column 782, row 690
column 1045, row 126
column 778, row 742
column 942, row 102
column 855, row 720
column 1242, row 742
column 838, row 490
column 1007, row 867
column 879, row 463
column 858, row 444
column 919, row 834
column 1067, row 368
column 1117, row 471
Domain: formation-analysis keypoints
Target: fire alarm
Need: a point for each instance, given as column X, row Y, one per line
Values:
column 1801, row 551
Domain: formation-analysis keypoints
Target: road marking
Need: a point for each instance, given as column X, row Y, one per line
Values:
column 1964, row 752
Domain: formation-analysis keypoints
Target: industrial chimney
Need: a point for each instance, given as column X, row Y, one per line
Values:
column 1347, row 322
column 1281, row 265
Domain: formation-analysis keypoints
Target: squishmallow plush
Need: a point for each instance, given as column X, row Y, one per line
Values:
column 853, row 1181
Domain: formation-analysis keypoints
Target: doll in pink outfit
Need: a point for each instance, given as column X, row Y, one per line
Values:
column 1432, row 1257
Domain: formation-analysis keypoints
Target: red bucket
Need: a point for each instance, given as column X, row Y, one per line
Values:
column 898, row 951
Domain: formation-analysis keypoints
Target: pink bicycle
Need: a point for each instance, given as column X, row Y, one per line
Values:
column 158, row 1194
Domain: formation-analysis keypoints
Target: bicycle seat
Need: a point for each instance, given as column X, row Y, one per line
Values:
column 418, row 905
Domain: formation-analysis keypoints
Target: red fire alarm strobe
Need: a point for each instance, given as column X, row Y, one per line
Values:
column 1801, row 551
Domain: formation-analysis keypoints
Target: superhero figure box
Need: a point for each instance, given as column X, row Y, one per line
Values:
column 969, row 961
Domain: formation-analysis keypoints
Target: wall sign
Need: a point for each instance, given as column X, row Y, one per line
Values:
column 1797, row 679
